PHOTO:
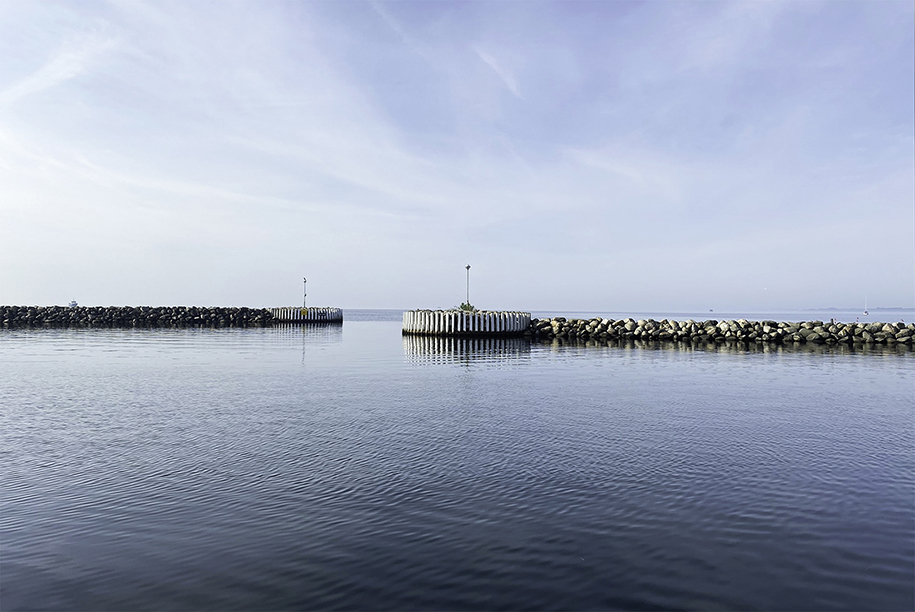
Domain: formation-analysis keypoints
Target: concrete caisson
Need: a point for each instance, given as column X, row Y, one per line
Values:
column 295, row 314
column 466, row 323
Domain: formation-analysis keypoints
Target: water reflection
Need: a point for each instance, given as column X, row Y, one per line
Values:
column 731, row 346
column 308, row 337
column 450, row 349
column 456, row 349
column 319, row 332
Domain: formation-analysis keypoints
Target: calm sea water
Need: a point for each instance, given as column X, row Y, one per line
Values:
column 350, row 468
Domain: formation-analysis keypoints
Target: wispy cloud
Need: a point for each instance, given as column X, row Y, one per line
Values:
column 510, row 82
column 401, row 32
column 69, row 62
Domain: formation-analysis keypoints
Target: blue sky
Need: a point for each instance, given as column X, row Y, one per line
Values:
column 605, row 156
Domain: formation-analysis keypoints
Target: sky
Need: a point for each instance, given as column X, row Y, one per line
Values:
column 607, row 156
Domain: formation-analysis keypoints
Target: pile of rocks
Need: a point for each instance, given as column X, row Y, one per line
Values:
column 132, row 316
column 741, row 330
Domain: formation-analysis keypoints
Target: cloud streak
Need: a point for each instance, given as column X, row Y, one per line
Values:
column 503, row 74
column 68, row 63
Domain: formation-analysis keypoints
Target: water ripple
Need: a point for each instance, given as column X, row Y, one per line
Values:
column 283, row 469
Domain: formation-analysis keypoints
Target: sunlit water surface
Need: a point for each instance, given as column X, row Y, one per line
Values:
column 348, row 467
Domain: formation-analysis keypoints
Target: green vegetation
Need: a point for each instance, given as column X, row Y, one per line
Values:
column 467, row 306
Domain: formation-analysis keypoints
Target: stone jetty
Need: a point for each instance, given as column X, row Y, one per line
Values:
column 466, row 322
column 740, row 330
column 12, row 317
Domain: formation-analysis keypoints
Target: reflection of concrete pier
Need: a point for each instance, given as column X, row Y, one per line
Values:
column 294, row 314
column 291, row 334
column 466, row 322
column 451, row 349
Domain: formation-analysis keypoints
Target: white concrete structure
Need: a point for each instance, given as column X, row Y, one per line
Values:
column 465, row 322
column 295, row 314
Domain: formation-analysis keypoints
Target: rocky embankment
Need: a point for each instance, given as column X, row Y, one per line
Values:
column 132, row 316
column 741, row 330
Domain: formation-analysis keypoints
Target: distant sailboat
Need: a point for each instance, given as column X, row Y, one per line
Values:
column 865, row 305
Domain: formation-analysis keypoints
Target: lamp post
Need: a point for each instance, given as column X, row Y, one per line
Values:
column 304, row 292
column 468, row 284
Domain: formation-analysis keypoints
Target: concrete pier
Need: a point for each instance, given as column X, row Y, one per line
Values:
column 296, row 314
column 466, row 322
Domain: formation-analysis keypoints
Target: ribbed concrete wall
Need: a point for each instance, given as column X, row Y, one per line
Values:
column 295, row 314
column 463, row 322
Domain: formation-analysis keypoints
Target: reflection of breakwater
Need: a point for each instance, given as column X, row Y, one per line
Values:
column 729, row 346
column 740, row 330
column 312, row 335
column 451, row 349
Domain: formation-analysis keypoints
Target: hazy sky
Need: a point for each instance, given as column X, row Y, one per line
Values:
column 604, row 156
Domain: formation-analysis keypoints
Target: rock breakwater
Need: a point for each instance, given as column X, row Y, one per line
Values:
column 740, row 330
column 12, row 317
